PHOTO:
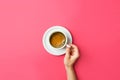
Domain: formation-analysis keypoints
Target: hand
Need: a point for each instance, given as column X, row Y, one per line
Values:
column 72, row 54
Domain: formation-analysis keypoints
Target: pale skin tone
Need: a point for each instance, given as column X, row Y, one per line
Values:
column 71, row 56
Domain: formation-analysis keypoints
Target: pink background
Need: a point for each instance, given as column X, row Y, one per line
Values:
column 94, row 24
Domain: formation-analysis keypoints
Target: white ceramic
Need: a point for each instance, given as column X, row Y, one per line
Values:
column 65, row 38
column 47, row 45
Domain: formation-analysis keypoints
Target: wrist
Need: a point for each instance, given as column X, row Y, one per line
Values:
column 67, row 67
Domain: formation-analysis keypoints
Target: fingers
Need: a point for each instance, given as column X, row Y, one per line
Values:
column 75, row 50
column 68, row 51
column 72, row 50
column 72, row 54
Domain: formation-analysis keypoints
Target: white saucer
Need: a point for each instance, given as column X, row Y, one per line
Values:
column 46, row 44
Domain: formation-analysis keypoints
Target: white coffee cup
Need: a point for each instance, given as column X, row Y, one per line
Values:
column 58, row 39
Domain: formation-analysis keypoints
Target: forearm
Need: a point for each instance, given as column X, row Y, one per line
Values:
column 71, row 75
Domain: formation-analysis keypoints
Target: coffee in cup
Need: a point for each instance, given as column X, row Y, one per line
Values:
column 58, row 40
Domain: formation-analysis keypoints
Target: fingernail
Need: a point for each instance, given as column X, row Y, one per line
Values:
column 68, row 46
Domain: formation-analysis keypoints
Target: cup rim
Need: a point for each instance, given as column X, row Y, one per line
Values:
column 66, row 39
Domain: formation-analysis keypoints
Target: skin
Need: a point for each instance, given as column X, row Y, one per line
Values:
column 71, row 56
